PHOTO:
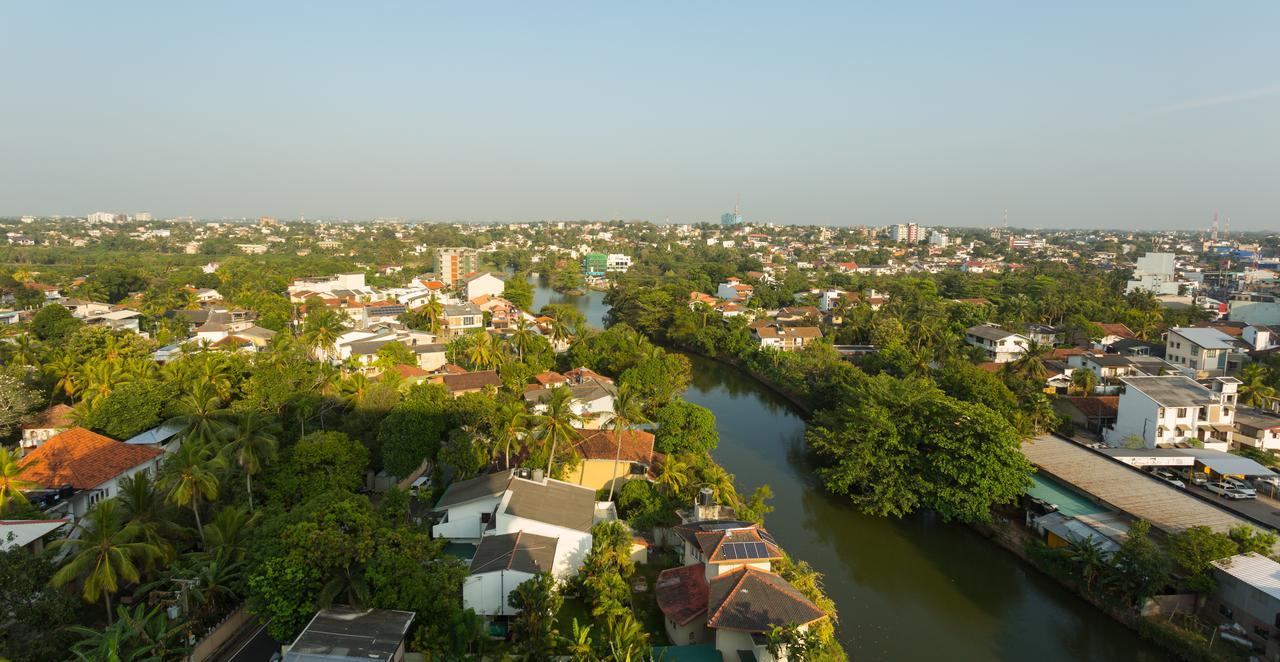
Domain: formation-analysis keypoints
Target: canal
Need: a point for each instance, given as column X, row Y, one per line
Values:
column 909, row 589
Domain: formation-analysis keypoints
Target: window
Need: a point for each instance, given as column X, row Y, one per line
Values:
column 1182, row 412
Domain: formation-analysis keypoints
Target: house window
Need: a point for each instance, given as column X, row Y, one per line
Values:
column 1182, row 412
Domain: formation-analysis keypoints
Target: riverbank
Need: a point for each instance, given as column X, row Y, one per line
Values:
column 1011, row 537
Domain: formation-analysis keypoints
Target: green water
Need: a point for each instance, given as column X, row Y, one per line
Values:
column 912, row 589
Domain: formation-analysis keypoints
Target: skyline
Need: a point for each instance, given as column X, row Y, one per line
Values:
column 1081, row 117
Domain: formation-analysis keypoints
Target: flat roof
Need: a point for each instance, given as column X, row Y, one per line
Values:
column 343, row 633
column 1125, row 488
column 1172, row 390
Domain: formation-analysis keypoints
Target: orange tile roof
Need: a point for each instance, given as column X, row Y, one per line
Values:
column 57, row 416
column 83, row 459
column 637, row 445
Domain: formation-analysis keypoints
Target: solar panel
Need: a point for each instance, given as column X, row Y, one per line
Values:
column 759, row 550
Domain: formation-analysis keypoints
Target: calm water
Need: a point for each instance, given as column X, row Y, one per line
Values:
column 591, row 304
column 913, row 589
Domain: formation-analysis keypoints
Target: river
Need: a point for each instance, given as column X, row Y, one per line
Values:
column 905, row 589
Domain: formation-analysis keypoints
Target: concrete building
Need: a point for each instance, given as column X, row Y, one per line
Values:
column 1154, row 273
column 484, row 284
column 1174, row 411
column 453, row 264
column 1249, row 594
column 1201, row 351
column 339, row 634
column 1001, row 346
column 89, row 463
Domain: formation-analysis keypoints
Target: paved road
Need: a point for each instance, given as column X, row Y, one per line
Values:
column 254, row 645
column 1263, row 508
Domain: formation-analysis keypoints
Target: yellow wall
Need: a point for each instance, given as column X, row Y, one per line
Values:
column 597, row 473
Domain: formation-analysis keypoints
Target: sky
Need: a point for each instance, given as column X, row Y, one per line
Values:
column 1150, row 115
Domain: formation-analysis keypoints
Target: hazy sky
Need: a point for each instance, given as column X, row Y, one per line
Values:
column 1078, row 114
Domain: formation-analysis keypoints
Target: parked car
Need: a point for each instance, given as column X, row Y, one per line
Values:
column 1243, row 487
column 1168, row 477
column 1269, row 481
column 1225, row 490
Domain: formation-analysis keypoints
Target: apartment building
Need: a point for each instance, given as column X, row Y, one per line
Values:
column 1175, row 411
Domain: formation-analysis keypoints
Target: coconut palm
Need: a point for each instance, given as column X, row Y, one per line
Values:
column 522, row 336
column 143, row 507
column 556, row 424
column 628, row 410
column 190, row 477
column 11, row 482
column 483, row 353
column 64, row 368
column 512, row 425
column 228, row 533
column 355, row 388
column 252, row 445
column 434, row 314
column 1030, row 364
column 107, row 552
column 322, row 328
column 25, row 350
column 99, row 378
column 1083, row 381
column 560, row 331
column 1254, row 389
column 674, row 476
column 201, row 417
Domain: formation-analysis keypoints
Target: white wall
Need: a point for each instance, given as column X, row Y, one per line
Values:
column 487, row 592
column 463, row 523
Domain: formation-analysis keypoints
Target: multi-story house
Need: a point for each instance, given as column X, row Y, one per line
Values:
column 1257, row 429
column 1202, row 351
column 1174, row 411
column 463, row 318
column 1001, row 346
column 777, row 335
column 453, row 264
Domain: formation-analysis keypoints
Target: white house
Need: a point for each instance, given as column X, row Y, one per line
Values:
column 1173, row 411
column 592, row 400
column 91, row 464
column 501, row 563
column 1257, row 429
column 1200, row 351
column 617, row 262
column 483, row 284
column 1001, row 346
column 503, row 503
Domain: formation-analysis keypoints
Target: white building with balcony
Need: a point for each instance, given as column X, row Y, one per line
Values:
column 1173, row 411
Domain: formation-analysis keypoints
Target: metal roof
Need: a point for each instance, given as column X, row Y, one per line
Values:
column 1125, row 488
column 20, row 533
column 1253, row 569
column 521, row 551
column 1206, row 337
column 343, row 633
column 1226, row 463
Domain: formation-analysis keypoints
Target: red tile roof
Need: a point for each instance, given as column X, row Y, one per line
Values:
column 57, row 416
column 1117, row 330
column 752, row 600
column 637, row 445
column 83, row 459
column 550, row 377
column 682, row 593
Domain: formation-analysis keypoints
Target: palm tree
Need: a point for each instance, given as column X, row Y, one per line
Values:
column 228, row 533
column 627, row 640
column 190, row 476
column 201, row 416
column 143, row 507
column 143, row 634
column 252, row 445
column 434, row 313
column 556, row 424
column 65, row 370
column 628, row 410
column 522, row 336
column 99, row 378
column 106, row 552
column 675, row 475
column 512, row 424
column 26, row 351
column 1030, row 365
column 1254, row 389
column 559, row 331
column 1084, row 380
column 322, row 328
column 483, row 353
column 11, row 485
column 355, row 387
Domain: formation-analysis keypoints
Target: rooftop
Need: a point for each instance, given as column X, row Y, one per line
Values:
column 753, row 600
column 1253, row 569
column 343, row 633
column 682, row 593
column 82, row 459
column 521, row 551
column 1208, row 338
column 1172, row 390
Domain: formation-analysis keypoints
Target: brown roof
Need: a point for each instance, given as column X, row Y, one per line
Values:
column 472, row 381
column 1117, row 330
column 753, row 600
column 57, row 416
column 739, row 545
column 682, row 593
column 637, row 445
column 1097, row 406
column 410, row 371
column 83, row 459
column 550, row 377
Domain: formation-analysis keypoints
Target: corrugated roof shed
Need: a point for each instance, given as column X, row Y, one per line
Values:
column 1125, row 488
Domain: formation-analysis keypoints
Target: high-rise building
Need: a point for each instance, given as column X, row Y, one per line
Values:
column 731, row 218
column 595, row 264
column 908, row 233
column 452, row 264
